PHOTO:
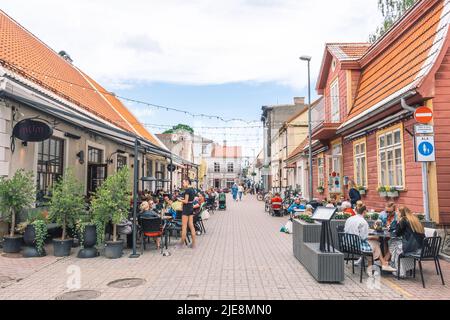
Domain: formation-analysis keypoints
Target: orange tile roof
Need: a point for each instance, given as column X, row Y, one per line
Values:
column 348, row 51
column 23, row 53
column 226, row 151
column 404, row 62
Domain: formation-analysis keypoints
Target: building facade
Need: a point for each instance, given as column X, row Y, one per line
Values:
column 224, row 166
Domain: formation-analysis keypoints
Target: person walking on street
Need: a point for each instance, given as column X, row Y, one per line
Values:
column 234, row 191
column 240, row 191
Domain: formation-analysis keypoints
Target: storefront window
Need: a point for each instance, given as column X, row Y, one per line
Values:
column 335, row 174
column 121, row 162
column 50, row 165
column 391, row 159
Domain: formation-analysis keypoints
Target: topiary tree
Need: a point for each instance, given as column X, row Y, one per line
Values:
column 16, row 194
column 179, row 127
column 111, row 201
column 67, row 201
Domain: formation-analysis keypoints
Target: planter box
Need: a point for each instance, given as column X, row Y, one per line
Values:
column 393, row 194
column 382, row 194
column 429, row 224
column 362, row 192
column 324, row 267
column 304, row 233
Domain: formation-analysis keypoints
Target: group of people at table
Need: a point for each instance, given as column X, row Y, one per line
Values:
column 186, row 204
column 402, row 231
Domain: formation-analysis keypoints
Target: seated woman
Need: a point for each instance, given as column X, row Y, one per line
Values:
column 412, row 234
column 296, row 207
column 147, row 212
column 357, row 225
column 346, row 207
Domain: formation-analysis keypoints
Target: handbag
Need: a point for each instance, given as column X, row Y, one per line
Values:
column 205, row 215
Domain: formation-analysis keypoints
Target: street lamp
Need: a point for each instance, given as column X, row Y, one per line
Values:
column 308, row 59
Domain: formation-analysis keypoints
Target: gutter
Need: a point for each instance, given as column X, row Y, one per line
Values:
column 376, row 111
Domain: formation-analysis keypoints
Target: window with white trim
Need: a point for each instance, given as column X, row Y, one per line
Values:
column 321, row 171
column 216, row 167
column 334, row 90
column 390, row 157
column 359, row 156
column 336, row 169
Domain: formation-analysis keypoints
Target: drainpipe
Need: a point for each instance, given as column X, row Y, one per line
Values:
column 426, row 206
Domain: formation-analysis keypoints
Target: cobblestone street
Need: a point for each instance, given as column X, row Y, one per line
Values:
column 242, row 256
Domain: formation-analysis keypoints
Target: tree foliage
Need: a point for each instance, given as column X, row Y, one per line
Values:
column 179, row 127
column 67, row 201
column 111, row 201
column 16, row 194
column 392, row 10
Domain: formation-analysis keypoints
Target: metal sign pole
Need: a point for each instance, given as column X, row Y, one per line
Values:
column 426, row 206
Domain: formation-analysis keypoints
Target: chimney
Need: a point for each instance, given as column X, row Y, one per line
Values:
column 65, row 56
column 299, row 100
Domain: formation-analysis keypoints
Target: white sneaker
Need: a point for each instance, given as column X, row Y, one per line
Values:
column 388, row 268
column 358, row 262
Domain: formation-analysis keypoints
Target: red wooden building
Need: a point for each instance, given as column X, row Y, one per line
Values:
column 365, row 134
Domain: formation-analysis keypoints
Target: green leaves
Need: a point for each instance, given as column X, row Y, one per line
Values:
column 67, row 201
column 16, row 194
column 392, row 10
column 112, row 199
column 179, row 127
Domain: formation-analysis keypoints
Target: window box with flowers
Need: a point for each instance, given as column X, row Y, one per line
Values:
column 320, row 189
column 392, row 192
column 362, row 190
column 382, row 191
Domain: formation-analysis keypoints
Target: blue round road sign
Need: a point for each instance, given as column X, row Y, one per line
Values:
column 426, row 149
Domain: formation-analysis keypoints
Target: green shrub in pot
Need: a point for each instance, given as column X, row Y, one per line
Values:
column 16, row 194
column 65, row 206
column 111, row 202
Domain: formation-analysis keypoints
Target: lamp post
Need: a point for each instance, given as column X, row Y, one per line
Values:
column 308, row 59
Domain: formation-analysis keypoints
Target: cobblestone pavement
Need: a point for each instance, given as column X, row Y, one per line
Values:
column 242, row 256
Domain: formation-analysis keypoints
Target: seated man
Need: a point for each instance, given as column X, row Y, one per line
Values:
column 276, row 202
column 389, row 216
column 358, row 225
column 296, row 207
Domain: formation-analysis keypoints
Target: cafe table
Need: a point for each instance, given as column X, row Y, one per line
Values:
column 383, row 236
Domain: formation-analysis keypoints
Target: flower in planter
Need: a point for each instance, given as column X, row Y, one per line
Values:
column 320, row 189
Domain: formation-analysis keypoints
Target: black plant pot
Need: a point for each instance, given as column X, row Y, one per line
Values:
column 113, row 249
column 29, row 237
column 61, row 248
column 12, row 244
column 89, row 241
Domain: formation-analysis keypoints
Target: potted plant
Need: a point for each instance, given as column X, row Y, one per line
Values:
column 111, row 202
column 320, row 189
column 16, row 194
column 34, row 234
column 87, row 234
column 362, row 190
column 65, row 206
column 382, row 191
column 392, row 192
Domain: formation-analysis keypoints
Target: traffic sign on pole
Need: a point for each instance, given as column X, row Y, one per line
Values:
column 423, row 115
column 425, row 149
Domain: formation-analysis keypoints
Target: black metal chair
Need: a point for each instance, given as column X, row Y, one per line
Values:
column 176, row 225
column 429, row 252
column 150, row 227
column 351, row 244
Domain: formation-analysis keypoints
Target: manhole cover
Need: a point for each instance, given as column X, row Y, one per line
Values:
column 4, row 279
column 12, row 255
column 126, row 283
column 79, row 295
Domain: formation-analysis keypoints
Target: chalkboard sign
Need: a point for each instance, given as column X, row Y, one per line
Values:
column 32, row 130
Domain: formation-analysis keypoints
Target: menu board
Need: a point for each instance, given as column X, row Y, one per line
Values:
column 324, row 214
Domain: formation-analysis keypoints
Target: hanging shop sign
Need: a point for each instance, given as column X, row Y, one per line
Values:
column 171, row 167
column 31, row 130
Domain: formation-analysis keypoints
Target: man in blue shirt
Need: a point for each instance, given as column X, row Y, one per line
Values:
column 389, row 217
column 296, row 207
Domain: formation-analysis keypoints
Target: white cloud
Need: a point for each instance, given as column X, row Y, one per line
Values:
column 195, row 41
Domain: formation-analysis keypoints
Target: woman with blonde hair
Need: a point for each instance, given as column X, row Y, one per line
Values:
column 412, row 233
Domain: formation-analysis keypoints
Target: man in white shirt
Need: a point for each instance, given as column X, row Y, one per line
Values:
column 358, row 225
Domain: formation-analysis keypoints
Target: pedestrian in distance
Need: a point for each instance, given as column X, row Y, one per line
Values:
column 240, row 191
column 234, row 192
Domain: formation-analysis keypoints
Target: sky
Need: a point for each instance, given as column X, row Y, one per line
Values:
column 217, row 57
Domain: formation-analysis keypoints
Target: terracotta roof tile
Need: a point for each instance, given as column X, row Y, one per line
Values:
column 23, row 53
column 348, row 51
column 404, row 63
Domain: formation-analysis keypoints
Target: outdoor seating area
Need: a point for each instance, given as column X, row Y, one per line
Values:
column 390, row 243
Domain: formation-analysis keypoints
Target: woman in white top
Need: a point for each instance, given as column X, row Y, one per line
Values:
column 240, row 191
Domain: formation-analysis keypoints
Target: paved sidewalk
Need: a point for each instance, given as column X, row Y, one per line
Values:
column 242, row 256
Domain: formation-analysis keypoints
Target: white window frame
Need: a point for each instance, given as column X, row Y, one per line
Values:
column 334, row 101
column 321, row 172
column 360, row 162
column 391, row 168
